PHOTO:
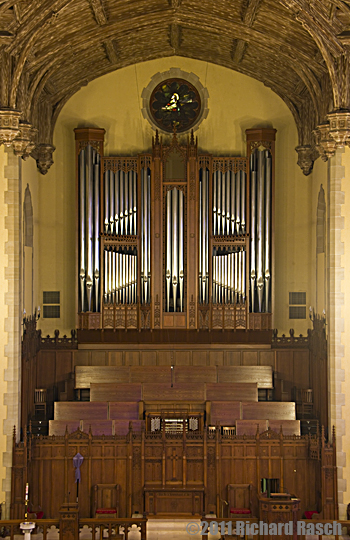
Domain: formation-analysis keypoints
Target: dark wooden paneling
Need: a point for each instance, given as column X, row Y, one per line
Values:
column 64, row 365
column 262, row 375
column 46, row 369
column 301, row 369
column 179, row 392
column 115, row 392
column 65, row 410
column 59, row 427
column 268, row 410
column 232, row 392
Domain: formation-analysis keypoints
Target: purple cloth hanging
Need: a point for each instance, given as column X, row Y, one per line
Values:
column 77, row 462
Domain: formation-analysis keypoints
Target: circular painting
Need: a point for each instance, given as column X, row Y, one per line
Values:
column 175, row 103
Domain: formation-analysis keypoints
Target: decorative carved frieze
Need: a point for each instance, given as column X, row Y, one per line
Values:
column 9, row 125
column 339, row 126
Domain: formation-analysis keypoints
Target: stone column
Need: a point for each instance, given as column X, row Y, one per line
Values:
column 335, row 311
column 11, row 309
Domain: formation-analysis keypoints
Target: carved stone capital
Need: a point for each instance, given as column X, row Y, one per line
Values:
column 24, row 143
column 339, row 126
column 43, row 156
column 9, row 120
column 325, row 144
column 307, row 155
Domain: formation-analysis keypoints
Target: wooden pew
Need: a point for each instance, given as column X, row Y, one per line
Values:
column 225, row 412
column 115, row 392
column 85, row 375
column 177, row 392
column 80, row 410
column 249, row 427
column 102, row 427
column 262, row 375
column 271, row 410
column 121, row 427
column 232, row 392
column 123, row 410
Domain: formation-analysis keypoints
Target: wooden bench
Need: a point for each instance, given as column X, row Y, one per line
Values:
column 149, row 374
column 195, row 374
column 232, row 392
column 262, row 375
column 289, row 427
column 59, row 427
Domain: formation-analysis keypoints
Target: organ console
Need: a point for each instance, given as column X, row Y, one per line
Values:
column 175, row 238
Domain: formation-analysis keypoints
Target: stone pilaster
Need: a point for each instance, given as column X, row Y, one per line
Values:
column 335, row 315
column 12, row 275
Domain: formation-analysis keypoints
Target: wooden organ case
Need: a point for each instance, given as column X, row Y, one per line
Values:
column 175, row 239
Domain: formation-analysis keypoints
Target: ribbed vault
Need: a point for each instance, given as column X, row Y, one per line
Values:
column 298, row 48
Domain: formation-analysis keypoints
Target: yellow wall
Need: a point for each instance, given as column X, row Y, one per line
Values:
column 236, row 102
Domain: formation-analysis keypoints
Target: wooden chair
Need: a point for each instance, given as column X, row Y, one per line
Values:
column 240, row 500
column 106, row 501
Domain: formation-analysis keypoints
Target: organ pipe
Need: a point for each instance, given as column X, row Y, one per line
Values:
column 174, row 274
column 89, row 228
column 229, row 276
column 260, row 225
column 229, row 203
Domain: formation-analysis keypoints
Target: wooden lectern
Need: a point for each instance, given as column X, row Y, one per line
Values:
column 279, row 508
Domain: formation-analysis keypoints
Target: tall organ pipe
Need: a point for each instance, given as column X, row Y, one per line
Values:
column 106, row 202
column 233, row 205
column 218, row 211
column 148, row 244
column 204, row 250
column 260, row 228
column 228, row 201
column 116, row 201
column 200, row 237
column 267, row 229
column 111, row 202
column 89, row 217
column 175, row 244
column 121, row 204
column 223, row 203
column 253, row 231
column 181, row 246
column 214, row 203
column 243, row 188
column 238, row 203
column 135, row 202
column 131, row 204
column 168, row 272
column 126, row 206
column 96, row 231
column 82, row 227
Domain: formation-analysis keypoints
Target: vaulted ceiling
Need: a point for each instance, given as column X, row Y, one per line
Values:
column 299, row 48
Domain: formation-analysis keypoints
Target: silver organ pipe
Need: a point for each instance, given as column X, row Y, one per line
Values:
column 214, row 202
column 174, row 244
column 229, row 276
column 116, row 201
column 228, row 202
column 238, row 203
column 181, row 244
column 223, row 203
column 96, row 229
column 120, row 218
column 267, row 229
column 260, row 225
column 233, row 205
column 82, row 228
column 218, row 211
column 204, row 237
column 89, row 229
column 243, row 189
column 174, row 273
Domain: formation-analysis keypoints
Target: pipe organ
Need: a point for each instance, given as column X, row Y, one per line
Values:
column 175, row 239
